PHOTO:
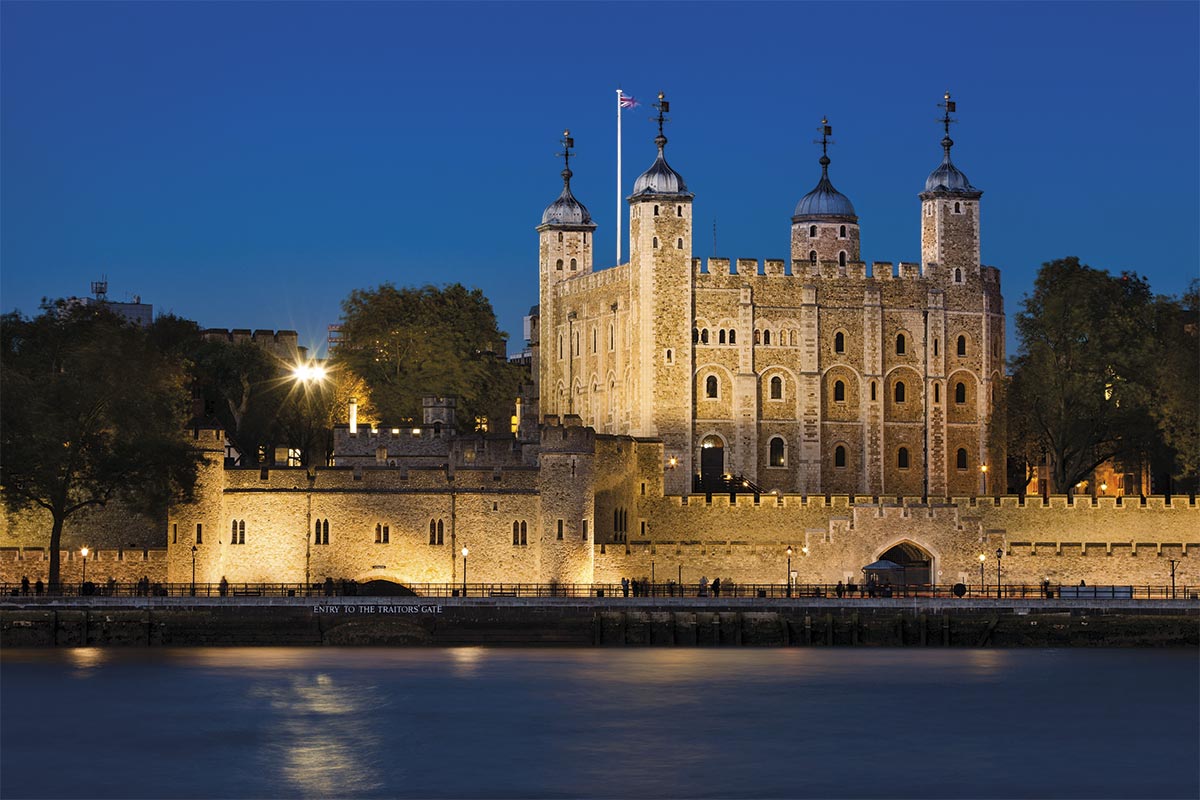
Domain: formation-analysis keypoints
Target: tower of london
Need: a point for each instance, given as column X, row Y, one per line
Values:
column 811, row 374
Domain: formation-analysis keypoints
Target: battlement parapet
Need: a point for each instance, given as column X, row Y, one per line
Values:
column 280, row 338
column 582, row 284
column 569, row 437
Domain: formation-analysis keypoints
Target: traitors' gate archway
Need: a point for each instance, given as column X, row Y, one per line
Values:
column 917, row 562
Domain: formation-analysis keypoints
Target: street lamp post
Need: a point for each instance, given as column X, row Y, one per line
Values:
column 983, row 472
column 982, row 580
column 999, row 555
column 83, row 551
column 789, row 571
column 465, row 551
column 193, row 570
column 1173, row 562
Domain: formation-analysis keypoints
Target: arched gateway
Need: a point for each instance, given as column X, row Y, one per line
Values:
column 916, row 561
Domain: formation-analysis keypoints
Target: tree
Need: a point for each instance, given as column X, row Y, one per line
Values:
column 1080, row 390
column 1175, row 388
column 245, row 387
column 93, row 411
column 409, row 343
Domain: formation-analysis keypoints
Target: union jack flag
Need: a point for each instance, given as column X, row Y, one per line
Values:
column 628, row 102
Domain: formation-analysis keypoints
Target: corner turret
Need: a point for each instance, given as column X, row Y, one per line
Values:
column 950, row 211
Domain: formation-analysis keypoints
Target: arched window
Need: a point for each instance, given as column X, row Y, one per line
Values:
column 437, row 430
column 679, row 211
column 757, row 337
column 766, row 337
column 710, row 386
column 433, row 531
column 962, row 345
column 516, row 533
column 900, row 344
column 872, row 390
column 957, row 275
column 839, row 392
column 612, row 336
column 960, row 459
column 776, row 388
column 842, row 232
column 655, row 242
column 839, row 342
column 560, row 346
column 679, row 244
column 842, row 258
column 937, row 393
column 704, row 336
column 899, row 391
column 957, row 208
column 574, row 264
column 441, row 532
column 732, row 336
column 902, row 458
column 721, row 336
column 560, row 236
column 317, row 532
column 695, row 335
column 812, row 231
column 812, row 257
column 777, row 452
column 558, row 265
column 656, row 210
column 839, row 457
column 960, row 393
column 670, row 356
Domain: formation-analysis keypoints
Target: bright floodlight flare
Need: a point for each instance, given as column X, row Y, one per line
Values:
column 83, row 551
column 465, row 552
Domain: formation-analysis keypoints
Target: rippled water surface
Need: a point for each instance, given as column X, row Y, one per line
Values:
column 480, row 722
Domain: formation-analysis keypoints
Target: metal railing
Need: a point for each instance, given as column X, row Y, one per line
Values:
column 635, row 589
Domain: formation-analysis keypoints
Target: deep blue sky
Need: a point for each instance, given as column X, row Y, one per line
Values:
column 248, row 165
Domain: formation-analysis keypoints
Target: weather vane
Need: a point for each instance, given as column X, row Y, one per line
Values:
column 663, row 107
column 568, row 142
column 946, row 121
column 826, row 131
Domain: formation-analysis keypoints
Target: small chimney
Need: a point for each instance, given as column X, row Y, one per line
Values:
column 353, row 415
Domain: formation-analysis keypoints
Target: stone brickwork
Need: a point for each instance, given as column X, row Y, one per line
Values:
column 822, row 354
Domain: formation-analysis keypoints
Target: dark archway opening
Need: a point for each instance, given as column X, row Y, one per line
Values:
column 916, row 562
column 712, row 464
column 384, row 588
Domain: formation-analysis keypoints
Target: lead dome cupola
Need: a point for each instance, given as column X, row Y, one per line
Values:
column 947, row 178
column 660, row 179
column 566, row 210
column 824, row 202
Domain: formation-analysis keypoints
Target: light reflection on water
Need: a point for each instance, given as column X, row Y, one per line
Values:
column 484, row 722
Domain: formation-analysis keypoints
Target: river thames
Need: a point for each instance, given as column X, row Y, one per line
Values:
column 548, row 723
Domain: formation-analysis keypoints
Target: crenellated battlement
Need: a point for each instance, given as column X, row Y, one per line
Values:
column 567, row 436
column 582, row 284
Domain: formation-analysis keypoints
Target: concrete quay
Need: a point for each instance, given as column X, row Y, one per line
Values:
column 591, row 622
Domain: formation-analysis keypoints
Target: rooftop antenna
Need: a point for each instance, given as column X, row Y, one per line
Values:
column 100, row 288
column 947, row 121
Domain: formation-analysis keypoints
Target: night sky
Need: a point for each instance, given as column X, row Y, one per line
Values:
column 249, row 164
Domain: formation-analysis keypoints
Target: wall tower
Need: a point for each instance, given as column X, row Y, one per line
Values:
column 660, row 259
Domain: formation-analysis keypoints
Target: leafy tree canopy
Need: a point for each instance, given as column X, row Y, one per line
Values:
column 94, row 409
column 1088, row 383
column 408, row 343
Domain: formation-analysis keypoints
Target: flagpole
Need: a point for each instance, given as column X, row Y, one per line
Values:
column 618, row 231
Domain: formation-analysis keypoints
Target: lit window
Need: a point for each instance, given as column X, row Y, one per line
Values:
column 777, row 452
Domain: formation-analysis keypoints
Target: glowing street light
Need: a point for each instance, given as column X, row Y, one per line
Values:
column 789, row 571
column 983, row 471
column 982, row 558
column 999, row 555
column 306, row 373
column 83, row 551
column 465, row 551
